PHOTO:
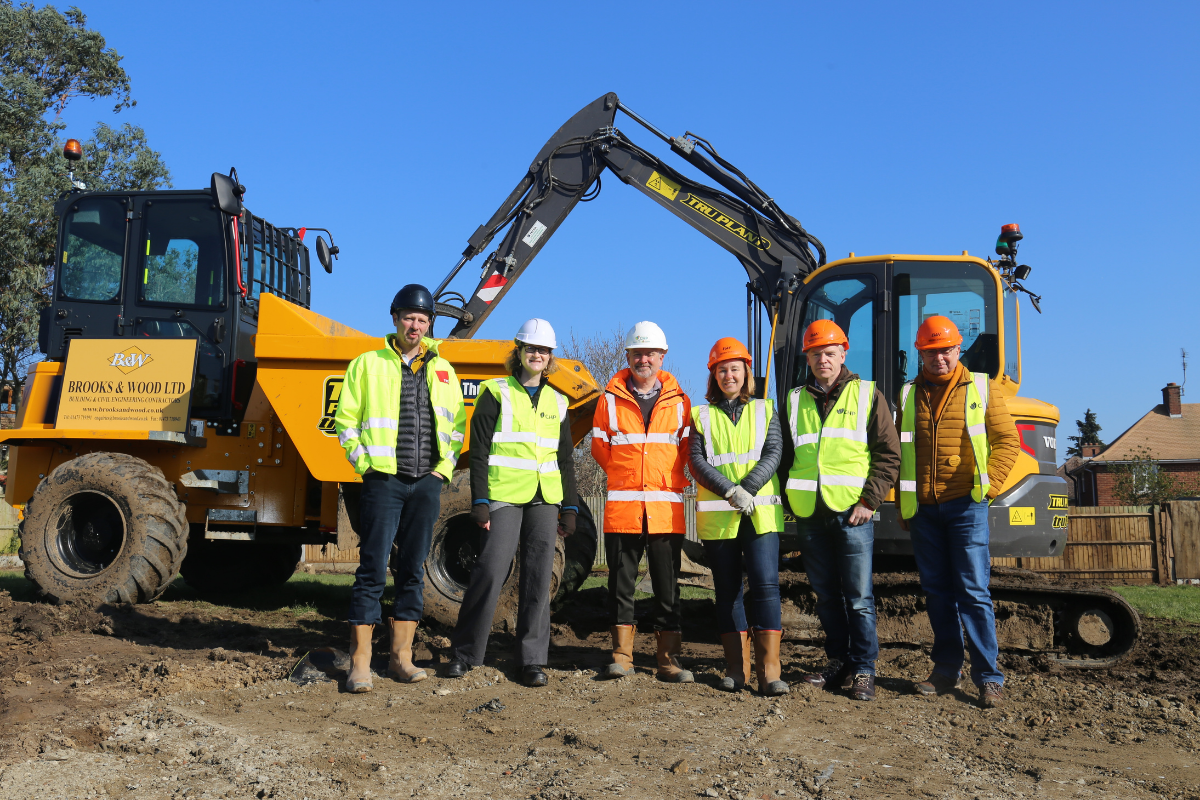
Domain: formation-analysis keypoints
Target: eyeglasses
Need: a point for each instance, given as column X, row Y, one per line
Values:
column 537, row 351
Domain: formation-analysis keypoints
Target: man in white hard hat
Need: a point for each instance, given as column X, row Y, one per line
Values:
column 640, row 439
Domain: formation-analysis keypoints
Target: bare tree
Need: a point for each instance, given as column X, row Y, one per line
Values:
column 603, row 355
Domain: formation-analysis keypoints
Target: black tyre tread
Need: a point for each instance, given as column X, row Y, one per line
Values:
column 154, row 506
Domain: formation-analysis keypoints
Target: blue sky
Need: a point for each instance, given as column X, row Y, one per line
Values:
column 885, row 128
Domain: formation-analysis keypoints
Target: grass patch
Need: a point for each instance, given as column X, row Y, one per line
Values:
column 1164, row 602
column 10, row 543
column 685, row 592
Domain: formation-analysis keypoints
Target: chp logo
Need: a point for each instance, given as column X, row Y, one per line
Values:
column 129, row 360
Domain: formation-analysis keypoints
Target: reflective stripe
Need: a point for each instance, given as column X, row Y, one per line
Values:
column 348, row 434
column 444, row 413
column 687, row 430
column 356, row 454
column 381, row 422
column 760, row 430
column 843, row 480
column 977, row 430
column 768, row 500
column 678, row 417
column 514, row 463
column 562, row 408
column 456, row 436
column 802, row 485
column 713, row 505
column 519, row 437
column 864, row 408
column 644, row 438
column 613, row 427
column 444, row 437
column 908, row 486
column 906, row 437
column 713, row 458
column 807, row 438
column 506, row 411
column 382, row 450
column 649, row 497
column 983, row 479
column 662, row 438
column 794, row 399
column 845, row 433
column 904, row 391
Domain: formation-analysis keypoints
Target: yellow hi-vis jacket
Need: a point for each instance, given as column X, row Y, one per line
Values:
column 734, row 450
column 524, row 454
column 368, row 411
column 832, row 455
column 976, row 414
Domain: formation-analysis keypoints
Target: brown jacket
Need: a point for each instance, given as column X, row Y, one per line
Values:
column 882, row 440
column 954, row 474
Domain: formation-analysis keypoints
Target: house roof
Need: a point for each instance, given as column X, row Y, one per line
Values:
column 1163, row 437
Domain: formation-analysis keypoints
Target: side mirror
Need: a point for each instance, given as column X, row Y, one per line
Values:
column 225, row 194
column 326, row 254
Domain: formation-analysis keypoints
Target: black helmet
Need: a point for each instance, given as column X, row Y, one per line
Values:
column 415, row 297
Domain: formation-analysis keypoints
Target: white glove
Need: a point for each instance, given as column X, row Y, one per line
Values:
column 740, row 499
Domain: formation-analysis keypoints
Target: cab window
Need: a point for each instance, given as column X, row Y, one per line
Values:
column 849, row 302
column 962, row 291
column 183, row 259
column 93, row 250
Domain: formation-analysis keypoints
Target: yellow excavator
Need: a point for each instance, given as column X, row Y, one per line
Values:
column 182, row 419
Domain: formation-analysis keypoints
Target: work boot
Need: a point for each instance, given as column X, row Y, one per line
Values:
column 400, row 665
column 863, row 687
column 359, row 678
column 937, row 683
column 836, row 675
column 533, row 675
column 991, row 695
column 766, row 663
column 670, row 644
column 737, row 660
column 622, row 652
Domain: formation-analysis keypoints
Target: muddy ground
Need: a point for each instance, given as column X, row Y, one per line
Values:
column 186, row 699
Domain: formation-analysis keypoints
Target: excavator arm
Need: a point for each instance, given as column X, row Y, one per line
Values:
column 772, row 246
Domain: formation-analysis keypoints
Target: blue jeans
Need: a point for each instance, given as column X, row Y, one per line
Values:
column 759, row 553
column 403, row 510
column 837, row 558
column 950, row 543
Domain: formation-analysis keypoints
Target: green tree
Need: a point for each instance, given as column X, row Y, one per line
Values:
column 1089, row 433
column 1142, row 482
column 47, row 59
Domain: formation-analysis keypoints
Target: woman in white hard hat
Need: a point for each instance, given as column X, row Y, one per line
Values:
column 523, row 493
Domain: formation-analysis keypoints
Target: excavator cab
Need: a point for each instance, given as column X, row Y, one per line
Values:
column 173, row 265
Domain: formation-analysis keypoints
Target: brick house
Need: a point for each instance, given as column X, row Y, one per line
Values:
column 1169, row 432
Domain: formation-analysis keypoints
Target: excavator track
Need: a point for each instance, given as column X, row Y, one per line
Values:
column 1074, row 625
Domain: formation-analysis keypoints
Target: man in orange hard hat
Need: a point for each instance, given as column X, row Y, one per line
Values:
column 841, row 455
column 957, row 446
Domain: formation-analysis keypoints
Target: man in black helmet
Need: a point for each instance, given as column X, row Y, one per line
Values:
column 401, row 420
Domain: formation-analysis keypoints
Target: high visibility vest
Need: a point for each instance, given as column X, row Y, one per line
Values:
column 977, row 400
column 524, row 452
column 831, row 455
column 367, row 419
column 734, row 450
column 644, row 464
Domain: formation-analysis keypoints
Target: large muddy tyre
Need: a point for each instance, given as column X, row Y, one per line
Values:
column 452, row 553
column 217, row 568
column 104, row 527
column 580, row 553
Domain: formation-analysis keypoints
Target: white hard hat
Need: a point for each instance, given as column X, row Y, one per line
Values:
column 538, row 333
column 645, row 335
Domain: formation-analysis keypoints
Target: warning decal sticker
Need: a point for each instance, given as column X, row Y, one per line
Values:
column 1020, row 516
column 664, row 186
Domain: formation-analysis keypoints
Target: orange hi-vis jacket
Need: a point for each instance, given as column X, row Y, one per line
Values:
column 644, row 466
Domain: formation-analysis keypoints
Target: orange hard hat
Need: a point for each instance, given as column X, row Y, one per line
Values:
column 823, row 333
column 937, row 332
column 728, row 348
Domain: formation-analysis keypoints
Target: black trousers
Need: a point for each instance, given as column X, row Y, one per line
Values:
column 664, row 553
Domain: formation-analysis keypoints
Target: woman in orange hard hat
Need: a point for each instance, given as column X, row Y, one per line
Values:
column 736, row 443
column 957, row 446
column 841, row 455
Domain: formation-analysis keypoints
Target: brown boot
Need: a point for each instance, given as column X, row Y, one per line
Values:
column 359, row 679
column 622, row 652
column 670, row 644
column 766, row 663
column 400, row 665
column 737, row 660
